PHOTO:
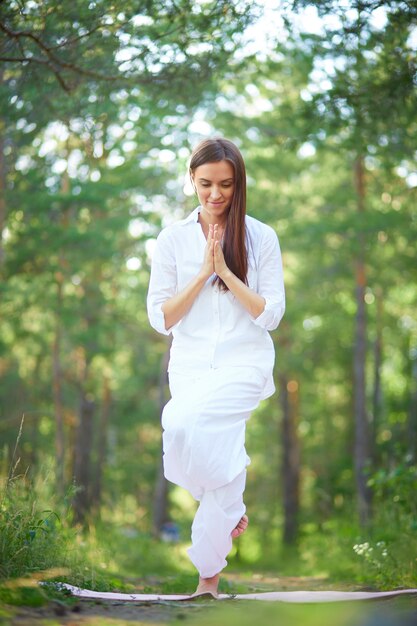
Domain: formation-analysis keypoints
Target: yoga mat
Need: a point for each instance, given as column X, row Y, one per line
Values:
column 267, row 596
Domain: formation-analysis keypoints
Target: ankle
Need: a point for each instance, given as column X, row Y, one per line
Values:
column 209, row 583
column 209, row 579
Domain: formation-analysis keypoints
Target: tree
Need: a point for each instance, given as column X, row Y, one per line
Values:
column 105, row 85
column 319, row 151
column 370, row 118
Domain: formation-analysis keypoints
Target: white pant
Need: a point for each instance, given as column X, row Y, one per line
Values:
column 204, row 452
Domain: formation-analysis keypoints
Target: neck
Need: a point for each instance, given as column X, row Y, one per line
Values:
column 205, row 220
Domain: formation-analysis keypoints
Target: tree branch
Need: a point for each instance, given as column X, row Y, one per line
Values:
column 70, row 42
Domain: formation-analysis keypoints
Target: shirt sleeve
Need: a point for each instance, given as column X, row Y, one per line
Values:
column 270, row 282
column 163, row 281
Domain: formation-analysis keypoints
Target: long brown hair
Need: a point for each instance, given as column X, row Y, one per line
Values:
column 234, row 239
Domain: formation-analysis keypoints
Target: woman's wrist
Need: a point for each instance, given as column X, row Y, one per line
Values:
column 202, row 277
column 225, row 275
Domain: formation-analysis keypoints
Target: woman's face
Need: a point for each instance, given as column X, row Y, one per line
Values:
column 215, row 185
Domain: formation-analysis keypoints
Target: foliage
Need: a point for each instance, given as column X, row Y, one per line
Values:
column 394, row 486
column 32, row 538
column 95, row 147
column 149, row 45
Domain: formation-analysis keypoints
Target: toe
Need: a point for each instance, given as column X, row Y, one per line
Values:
column 240, row 527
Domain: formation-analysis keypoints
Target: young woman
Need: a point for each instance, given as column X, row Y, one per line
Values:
column 217, row 285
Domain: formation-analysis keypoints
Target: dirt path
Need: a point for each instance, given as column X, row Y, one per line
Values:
column 118, row 613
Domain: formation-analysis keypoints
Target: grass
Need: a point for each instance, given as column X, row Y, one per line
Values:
column 337, row 614
column 382, row 557
column 35, row 539
column 39, row 542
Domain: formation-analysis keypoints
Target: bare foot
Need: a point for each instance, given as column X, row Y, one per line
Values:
column 208, row 585
column 241, row 527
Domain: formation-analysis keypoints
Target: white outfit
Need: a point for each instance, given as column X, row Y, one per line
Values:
column 220, row 368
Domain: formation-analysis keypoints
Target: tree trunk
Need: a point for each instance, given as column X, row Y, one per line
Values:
column 377, row 391
column 102, row 443
column 57, row 393
column 35, row 416
column 82, row 465
column 412, row 416
column 2, row 183
column 83, row 444
column 57, row 374
column 362, row 439
column 160, row 503
column 291, row 457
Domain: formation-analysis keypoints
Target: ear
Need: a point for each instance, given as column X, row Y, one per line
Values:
column 193, row 182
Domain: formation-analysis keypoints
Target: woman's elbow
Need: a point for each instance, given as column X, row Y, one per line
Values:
column 157, row 319
column 258, row 309
column 277, row 317
column 272, row 317
column 166, row 317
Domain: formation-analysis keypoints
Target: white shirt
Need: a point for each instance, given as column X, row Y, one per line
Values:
column 217, row 331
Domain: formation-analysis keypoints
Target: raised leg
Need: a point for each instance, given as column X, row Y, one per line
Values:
column 241, row 527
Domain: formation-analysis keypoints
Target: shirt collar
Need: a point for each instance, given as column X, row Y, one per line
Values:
column 193, row 217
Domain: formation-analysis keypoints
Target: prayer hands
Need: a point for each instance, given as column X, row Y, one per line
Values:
column 220, row 266
column 213, row 254
column 208, row 263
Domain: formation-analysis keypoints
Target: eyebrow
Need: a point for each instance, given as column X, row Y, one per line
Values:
column 226, row 180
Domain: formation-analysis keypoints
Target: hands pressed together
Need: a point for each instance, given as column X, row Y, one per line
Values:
column 213, row 255
column 178, row 305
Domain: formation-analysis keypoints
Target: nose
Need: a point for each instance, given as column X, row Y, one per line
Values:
column 215, row 193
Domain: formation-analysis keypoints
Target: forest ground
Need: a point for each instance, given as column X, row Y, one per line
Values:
column 385, row 612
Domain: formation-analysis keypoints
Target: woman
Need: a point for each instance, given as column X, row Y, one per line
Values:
column 216, row 285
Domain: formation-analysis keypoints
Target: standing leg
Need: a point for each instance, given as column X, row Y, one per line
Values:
column 204, row 452
column 219, row 513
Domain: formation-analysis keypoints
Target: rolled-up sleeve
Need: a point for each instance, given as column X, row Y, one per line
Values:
column 270, row 282
column 163, row 281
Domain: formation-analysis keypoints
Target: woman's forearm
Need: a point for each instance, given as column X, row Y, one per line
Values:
column 253, row 302
column 176, row 307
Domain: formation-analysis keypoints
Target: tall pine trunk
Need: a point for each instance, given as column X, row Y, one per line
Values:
column 291, row 457
column 377, row 390
column 412, row 415
column 57, row 393
column 362, row 434
column 83, row 446
column 2, row 184
column 57, row 374
column 102, row 443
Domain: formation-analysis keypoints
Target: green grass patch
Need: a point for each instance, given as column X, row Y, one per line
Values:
column 241, row 613
column 338, row 552
column 39, row 542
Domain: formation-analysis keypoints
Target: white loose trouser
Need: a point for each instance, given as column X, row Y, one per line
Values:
column 204, row 452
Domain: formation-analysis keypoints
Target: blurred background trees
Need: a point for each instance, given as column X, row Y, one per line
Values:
column 100, row 107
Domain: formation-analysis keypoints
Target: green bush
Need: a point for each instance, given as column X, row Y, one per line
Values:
column 33, row 537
